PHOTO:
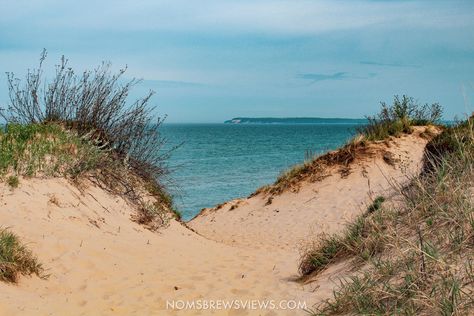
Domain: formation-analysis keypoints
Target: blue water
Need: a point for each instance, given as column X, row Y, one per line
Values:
column 219, row 162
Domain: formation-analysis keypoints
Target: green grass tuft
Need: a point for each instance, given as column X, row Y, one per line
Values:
column 13, row 181
column 16, row 259
column 376, row 205
column 398, row 118
column 361, row 238
column 46, row 149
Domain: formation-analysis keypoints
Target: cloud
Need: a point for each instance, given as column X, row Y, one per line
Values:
column 373, row 63
column 173, row 84
column 281, row 17
column 315, row 77
column 322, row 77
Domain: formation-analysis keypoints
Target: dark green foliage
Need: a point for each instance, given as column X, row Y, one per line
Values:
column 13, row 181
column 375, row 206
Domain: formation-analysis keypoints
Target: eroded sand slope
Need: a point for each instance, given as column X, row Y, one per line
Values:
column 320, row 206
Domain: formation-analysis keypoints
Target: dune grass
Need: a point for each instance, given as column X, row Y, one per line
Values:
column 15, row 258
column 399, row 117
column 46, row 149
column 53, row 150
column 315, row 168
column 362, row 238
column 392, row 121
column 83, row 123
column 417, row 256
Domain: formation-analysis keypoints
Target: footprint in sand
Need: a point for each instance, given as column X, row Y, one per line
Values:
column 239, row 292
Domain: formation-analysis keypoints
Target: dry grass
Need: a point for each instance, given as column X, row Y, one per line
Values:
column 317, row 168
column 16, row 259
column 362, row 239
column 152, row 215
column 51, row 150
column 83, row 125
column 418, row 256
column 392, row 121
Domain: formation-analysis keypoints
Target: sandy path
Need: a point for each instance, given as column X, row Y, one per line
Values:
column 101, row 263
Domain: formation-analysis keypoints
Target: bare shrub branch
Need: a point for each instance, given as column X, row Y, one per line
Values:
column 95, row 105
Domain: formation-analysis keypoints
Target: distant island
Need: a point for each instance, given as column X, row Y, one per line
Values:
column 291, row 120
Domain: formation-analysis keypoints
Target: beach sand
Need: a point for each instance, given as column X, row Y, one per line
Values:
column 102, row 263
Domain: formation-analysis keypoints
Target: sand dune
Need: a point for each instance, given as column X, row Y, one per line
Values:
column 320, row 206
column 102, row 263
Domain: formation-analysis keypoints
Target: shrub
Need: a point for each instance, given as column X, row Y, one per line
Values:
column 16, row 259
column 152, row 215
column 13, row 181
column 395, row 119
column 94, row 104
column 82, row 124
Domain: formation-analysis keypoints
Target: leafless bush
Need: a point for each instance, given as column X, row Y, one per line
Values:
column 95, row 105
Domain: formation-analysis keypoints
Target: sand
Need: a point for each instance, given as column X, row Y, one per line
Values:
column 102, row 263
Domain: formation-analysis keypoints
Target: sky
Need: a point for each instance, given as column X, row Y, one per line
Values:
column 209, row 61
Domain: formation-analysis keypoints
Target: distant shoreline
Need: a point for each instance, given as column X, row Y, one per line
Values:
column 291, row 120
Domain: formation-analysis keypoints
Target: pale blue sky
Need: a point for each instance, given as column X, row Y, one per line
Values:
column 212, row 60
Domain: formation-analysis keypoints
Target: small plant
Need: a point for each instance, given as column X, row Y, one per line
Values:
column 13, row 181
column 152, row 215
column 375, row 206
column 361, row 238
column 398, row 118
column 92, row 103
column 16, row 259
column 177, row 214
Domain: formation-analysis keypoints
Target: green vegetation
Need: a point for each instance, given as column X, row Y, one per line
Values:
column 393, row 120
column 398, row 118
column 417, row 255
column 83, row 125
column 15, row 258
column 362, row 238
column 152, row 215
column 47, row 149
column 376, row 205
column 13, row 182
column 177, row 214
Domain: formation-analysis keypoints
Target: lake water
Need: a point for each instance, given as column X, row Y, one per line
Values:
column 219, row 162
